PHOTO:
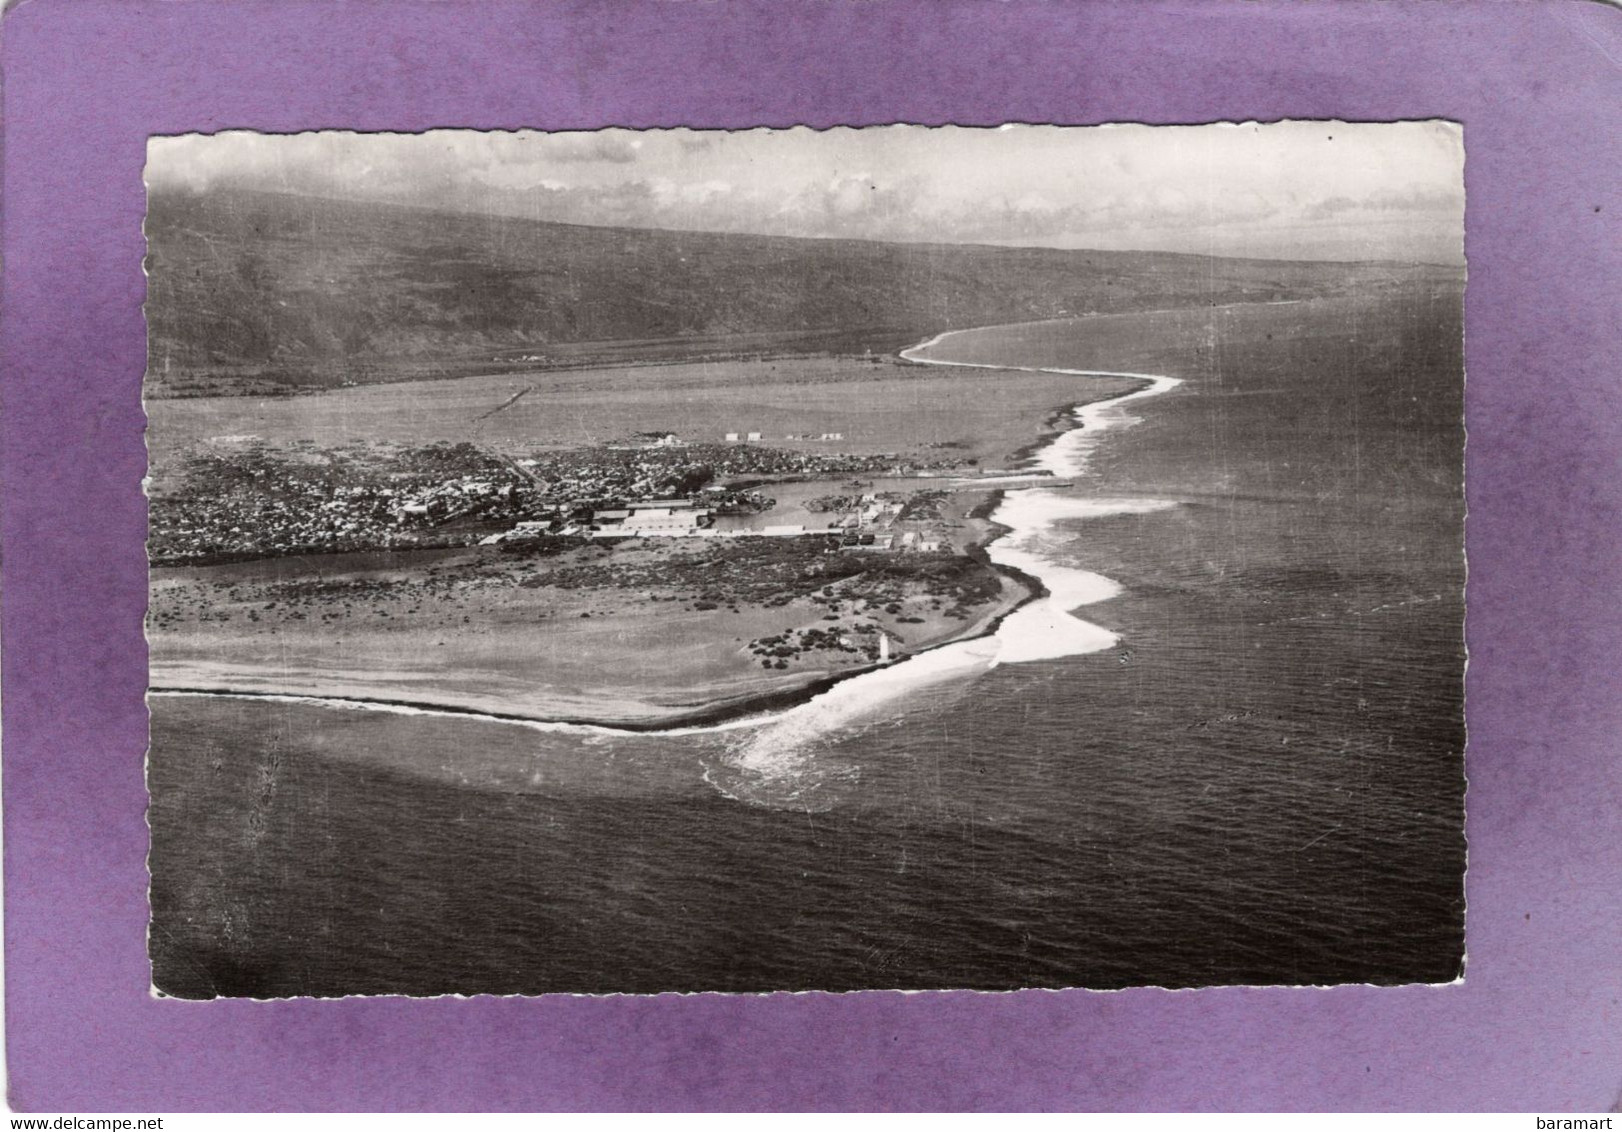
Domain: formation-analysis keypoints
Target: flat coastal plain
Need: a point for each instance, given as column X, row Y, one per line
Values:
column 636, row 632
column 874, row 405
column 1261, row 784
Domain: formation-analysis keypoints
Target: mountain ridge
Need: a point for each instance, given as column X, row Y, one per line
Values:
column 261, row 292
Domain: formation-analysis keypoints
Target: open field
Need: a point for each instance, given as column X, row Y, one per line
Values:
column 802, row 560
column 1290, row 668
column 565, row 636
column 878, row 406
column 618, row 632
column 275, row 379
column 568, row 634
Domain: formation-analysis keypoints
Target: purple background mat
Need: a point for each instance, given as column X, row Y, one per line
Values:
column 1539, row 88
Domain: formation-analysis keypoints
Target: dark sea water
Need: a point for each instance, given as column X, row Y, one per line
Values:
column 1261, row 783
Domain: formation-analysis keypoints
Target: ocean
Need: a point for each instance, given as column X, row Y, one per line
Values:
column 1242, row 765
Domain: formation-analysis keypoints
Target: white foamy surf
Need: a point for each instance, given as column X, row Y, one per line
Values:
column 545, row 726
column 1043, row 629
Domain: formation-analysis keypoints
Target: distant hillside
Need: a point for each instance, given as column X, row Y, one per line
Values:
column 260, row 292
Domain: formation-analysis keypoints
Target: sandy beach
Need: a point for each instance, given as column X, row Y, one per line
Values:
column 478, row 631
column 471, row 630
column 631, row 687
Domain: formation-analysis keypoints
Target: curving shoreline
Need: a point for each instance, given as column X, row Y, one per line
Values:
column 763, row 708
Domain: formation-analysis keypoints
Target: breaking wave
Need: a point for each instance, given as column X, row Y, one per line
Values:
column 773, row 758
column 778, row 750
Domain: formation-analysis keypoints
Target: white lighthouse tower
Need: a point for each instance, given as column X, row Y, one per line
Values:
column 884, row 648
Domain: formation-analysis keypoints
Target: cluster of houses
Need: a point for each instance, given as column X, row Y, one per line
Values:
column 873, row 525
column 451, row 499
column 650, row 440
column 260, row 502
column 199, row 526
column 661, row 439
column 874, row 521
column 755, row 437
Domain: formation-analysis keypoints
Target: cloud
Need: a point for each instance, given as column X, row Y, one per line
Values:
column 1417, row 200
column 851, row 205
column 606, row 145
column 848, row 195
column 1330, row 208
column 695, row 193
column 1051, row 186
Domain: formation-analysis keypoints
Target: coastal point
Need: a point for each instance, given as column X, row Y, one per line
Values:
column 760, row 561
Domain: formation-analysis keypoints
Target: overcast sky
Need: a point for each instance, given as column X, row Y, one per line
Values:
column 1310, row 190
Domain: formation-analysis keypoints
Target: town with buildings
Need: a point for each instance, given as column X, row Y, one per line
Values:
column 837, row 541
column 237, row 498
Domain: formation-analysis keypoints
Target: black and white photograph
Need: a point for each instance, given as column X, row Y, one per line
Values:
column 780, row 560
